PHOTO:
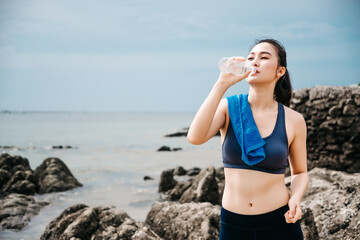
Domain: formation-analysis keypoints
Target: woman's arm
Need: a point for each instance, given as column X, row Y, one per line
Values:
column 211, row 115
column 298, row 167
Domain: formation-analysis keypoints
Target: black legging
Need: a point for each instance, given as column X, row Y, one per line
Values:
column 266, row 226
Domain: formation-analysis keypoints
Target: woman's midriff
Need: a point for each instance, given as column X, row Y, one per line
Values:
column 253, row 192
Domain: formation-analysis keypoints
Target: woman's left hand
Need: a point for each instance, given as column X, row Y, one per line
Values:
column 294, row 213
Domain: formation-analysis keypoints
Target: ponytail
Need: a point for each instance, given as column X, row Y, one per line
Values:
column 283, row 88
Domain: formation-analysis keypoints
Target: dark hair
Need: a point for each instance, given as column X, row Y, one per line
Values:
column 283, row 88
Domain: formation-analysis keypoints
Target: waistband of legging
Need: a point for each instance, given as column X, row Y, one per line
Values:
column 257, row 221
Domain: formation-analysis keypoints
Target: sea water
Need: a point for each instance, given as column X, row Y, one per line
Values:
column 110, row 155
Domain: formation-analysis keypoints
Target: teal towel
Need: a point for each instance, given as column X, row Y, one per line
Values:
column 245, row 129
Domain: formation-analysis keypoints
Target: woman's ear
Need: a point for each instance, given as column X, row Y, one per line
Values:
column 281, row 71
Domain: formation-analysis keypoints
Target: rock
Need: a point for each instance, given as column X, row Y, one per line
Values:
column 220, row 178
column 193, row 171
column 179, row 171
column 167, row 180
column 17, row 209
column 164, row 148
column 4, row 177
column 177, row 149
column 11, row 147
column 13, row 164
column 167, row 148
column 308, row 225
column 184, row 133
column 51, row 176
column 335, row 111
column 16, row 175
column 17, row 179
column 204, row 188
column 62, row 147
column 21, row 182
column 220, row 175
column 334, row 199
column 148, row 178
column 54, row 176
column 84, row 222
column 332, row 116
column 351, row 110
column 184, row 221
column 179, row 189
column 177, row 134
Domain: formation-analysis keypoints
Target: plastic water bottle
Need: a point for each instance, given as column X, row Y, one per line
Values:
column 230, row 65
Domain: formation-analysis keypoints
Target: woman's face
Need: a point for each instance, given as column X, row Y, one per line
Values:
column 264, row 58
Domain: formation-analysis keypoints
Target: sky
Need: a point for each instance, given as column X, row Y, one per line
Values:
column 161, row 55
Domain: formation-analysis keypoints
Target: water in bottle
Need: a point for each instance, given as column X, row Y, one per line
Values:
column 230, row 65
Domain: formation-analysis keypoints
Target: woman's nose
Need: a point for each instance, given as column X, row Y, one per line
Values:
column 255, row 63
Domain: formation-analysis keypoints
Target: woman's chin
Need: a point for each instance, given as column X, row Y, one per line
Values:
column 254, row 81
column 251, row 79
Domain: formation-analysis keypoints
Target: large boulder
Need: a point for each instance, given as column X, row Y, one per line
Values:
column 54, row 176
column 191, row 186
column 334, row 199
column 308, row 225
column 332, row 116
column 84, row 222
column 12, row 164
column 204, row 188
column 17, row 209
column 16, row 176
column 220, row 178
column 177, row 221
column 175, row 193
column 167, row 180
column 4, row 177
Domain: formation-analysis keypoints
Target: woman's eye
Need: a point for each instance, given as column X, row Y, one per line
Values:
column 250, row 58
column 264, row 58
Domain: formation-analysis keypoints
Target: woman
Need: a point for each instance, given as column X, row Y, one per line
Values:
column 256, row 203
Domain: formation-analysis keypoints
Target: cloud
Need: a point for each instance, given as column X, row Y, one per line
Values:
column 298, row 30
column 146, row 22
column 56, row 18
column 4, row 50
column 149, row 61
column 164, row 45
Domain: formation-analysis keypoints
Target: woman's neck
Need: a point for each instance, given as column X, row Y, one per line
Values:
column 262, row 98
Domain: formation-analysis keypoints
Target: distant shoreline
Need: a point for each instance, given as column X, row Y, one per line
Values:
column 110, row 112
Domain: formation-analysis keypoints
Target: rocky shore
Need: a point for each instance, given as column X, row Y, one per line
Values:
column 80, row 222
column 18, row 182
column 16, row 210
column 330, row 206
column 191, row 210
column 189, row 200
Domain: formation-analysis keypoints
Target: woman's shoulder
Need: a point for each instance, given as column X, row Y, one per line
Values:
column 294, row 116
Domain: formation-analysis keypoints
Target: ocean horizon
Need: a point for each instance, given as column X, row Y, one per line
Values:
column 110, row 154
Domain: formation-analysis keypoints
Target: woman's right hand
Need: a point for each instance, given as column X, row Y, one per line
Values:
column 229, row 79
